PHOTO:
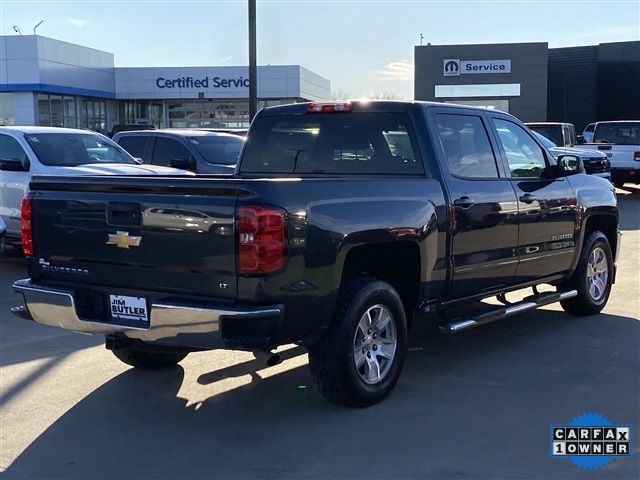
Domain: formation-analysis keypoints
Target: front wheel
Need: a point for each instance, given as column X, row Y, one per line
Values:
column 593, row 277
column 148, row 359
column 359, row 360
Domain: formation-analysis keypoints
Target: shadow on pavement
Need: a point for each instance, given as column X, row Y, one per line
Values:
column 631, row 190
column 478, row 405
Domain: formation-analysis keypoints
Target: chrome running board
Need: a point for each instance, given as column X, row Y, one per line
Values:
column 500, row 312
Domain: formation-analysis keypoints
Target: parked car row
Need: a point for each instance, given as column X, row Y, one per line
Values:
column 618, row 140
column 595, row 162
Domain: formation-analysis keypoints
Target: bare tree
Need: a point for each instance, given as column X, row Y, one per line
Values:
column 339, row 95
column 386, row 95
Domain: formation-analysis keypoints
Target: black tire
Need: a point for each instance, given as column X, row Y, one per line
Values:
column 584, row 303
column 332, row 358
column 148, row 359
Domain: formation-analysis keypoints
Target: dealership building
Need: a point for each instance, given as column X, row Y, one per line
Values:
column 49, row 82
column 579, row 85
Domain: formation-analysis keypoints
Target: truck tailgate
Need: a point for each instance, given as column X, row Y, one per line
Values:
column 620, row 156
column 136, row 234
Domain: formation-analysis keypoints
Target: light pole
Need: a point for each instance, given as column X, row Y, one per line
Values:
column 37, row 25
column 253, row 69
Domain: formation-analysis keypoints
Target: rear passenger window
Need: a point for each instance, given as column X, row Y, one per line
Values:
column 135, row 145
column 166, row 150
column 342, row 143
column 466, row 146
column 10, row 149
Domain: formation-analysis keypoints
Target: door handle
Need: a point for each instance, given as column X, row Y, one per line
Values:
column 464, row 202
column 528, row 198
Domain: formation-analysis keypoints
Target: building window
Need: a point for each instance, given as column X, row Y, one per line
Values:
column 6, row 109
column 208, row 113
column 57, row 111
column 57, row 115
column 141, row 112
column 44, row 110
column 69, row 111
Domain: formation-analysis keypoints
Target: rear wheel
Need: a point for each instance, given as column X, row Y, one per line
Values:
column 359, row 360
column 148, row 359
column 593, row 277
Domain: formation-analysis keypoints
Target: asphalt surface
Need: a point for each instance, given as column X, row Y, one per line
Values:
column 476, row 405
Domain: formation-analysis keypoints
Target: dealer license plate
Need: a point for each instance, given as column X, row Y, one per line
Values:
column 128, row 308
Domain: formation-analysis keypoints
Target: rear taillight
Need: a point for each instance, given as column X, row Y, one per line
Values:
column 26, row 237
column 636, row 156
column 260, row 240
column 329, row 107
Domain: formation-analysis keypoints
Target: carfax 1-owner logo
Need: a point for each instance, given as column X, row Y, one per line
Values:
column 590, row 441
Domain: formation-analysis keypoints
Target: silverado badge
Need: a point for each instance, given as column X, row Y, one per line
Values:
column 123, row 240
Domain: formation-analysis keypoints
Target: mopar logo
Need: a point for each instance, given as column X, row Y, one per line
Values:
column 451, row 67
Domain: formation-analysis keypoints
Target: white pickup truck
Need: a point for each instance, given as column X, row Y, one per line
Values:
column 621, row 141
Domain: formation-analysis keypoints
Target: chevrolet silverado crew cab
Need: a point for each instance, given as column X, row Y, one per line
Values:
column 342, row 222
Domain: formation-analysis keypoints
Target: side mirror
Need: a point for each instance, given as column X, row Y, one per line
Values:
column 183, row 164
column 580, row 140
column 570, row 165
column 14, row 165
column 138, row 160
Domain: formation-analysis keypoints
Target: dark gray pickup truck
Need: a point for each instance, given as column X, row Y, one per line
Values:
column 343, row 220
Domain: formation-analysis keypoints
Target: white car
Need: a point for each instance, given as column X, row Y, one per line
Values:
column 28, row 151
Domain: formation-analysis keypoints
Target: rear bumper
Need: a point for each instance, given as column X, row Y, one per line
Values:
column 170, row 324
column 630, row 174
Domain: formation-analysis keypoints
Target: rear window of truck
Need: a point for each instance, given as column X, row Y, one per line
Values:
column 621, row 133
column 340, row 143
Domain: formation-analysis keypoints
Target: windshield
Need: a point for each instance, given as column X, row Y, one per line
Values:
column 621, row 133
column 73, row 149
column 220, row 149
column 544, row 140
column 552, row 132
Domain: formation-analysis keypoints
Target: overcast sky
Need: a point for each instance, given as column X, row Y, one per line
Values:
column 363, row 47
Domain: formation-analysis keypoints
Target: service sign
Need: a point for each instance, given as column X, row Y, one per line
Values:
column 452, row 67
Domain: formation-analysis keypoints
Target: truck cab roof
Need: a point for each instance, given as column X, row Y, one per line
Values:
column 365, row 106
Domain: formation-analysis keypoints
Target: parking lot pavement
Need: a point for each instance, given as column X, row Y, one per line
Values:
column 477, row 405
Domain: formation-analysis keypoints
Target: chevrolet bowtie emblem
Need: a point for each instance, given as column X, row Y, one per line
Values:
column 123, row 240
